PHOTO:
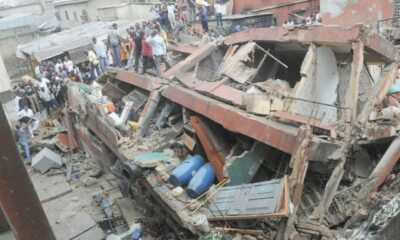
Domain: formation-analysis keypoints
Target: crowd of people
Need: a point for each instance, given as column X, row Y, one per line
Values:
column 43, row 93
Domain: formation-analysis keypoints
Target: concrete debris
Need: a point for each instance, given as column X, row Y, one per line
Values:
column 45, row 160
column 290, row 119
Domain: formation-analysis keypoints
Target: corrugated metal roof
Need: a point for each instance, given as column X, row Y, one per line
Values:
column 65, row 41
column 247, row 199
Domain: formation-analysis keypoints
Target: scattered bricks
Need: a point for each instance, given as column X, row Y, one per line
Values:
column 45, row 160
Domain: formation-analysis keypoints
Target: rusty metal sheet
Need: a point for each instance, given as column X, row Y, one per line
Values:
column 214, row 144
column 274, row 134
column 235, row 66
column 254, row 199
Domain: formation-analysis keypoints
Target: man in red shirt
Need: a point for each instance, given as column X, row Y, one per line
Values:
column 147, row 53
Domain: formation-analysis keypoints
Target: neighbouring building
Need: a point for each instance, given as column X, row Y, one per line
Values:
column 350, row 12
column 20, row 22
column 72, row 13
column 283, row 10
column 11, row 7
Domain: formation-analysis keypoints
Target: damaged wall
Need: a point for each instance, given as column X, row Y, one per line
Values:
column 351, row 12
column 320, row 85
column 279, row 8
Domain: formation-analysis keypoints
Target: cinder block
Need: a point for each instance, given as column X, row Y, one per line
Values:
column 45, row 160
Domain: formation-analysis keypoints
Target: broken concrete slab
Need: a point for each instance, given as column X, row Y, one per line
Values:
column 74, row 226
column 262, row 104
column 49, row 188
column 45, row 160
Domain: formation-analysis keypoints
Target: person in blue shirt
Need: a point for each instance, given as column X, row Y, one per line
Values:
column 23, row 141
column 204, row 18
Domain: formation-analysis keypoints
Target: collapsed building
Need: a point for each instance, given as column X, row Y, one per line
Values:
column 288, row 120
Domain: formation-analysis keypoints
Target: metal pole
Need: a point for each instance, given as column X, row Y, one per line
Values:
column 18, row 199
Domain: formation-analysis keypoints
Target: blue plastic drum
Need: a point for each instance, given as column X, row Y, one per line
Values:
column 202, row 181
column 182, row 174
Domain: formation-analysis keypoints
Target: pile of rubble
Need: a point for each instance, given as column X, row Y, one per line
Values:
column 270, row 133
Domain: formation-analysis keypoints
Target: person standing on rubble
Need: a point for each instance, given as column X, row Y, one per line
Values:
column 101, row 51
column 147, row 53
column 114, row 40
column 159, row 51
column 23, row 141
column 47, row 98
column 32, row 97
column 68, row 64
column 138, row 49
column 132, row 46
column 218, row 13
column 171, row 14
column 204, row 18
column 94, row 63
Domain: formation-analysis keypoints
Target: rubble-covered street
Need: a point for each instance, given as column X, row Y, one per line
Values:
column 231, row 119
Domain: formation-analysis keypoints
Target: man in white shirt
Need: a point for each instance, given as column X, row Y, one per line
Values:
column 159, row 51
column 47, row 98
column 32, row 123
column 25, row 112
column 218, row 13
column 101, row 51
column 171, row 14
column 59, row 66
column 68, row 64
